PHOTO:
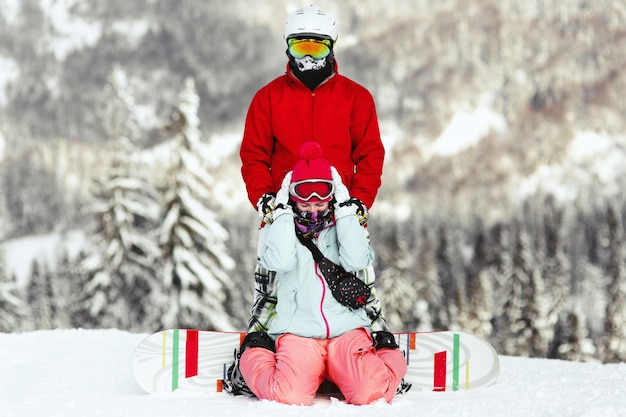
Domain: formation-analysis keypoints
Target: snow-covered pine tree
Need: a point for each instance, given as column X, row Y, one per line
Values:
column 4, row 212
column 66, row 280
column 240, row 246
column 12, row 306
column 500, row 269
column 533, row 329
column 478, row 317
column 588, row 280
column 122, row 274
column 612, row 346
column 398, row 280
column 519, row 318
column 39, row 296
column 574, row 344
column 539, row 330
column 555, row 265
column 452, row 298
column 429, row 292
column 193, row 242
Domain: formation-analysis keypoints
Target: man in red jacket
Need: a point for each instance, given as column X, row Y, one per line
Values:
column 311, row 102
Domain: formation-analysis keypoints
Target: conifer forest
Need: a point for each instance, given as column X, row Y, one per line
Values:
column 503, row 202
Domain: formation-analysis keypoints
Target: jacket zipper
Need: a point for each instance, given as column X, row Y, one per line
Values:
column 294, row 78
column 313, row 132
column 323, row 282
column 321, row 278
column 313, row 99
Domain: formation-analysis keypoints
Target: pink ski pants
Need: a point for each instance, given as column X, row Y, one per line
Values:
column 301, row 364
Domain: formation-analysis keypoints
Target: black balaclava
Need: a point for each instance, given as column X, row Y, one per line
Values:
column 312, row 72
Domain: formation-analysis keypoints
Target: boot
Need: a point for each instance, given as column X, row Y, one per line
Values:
column 234, row 381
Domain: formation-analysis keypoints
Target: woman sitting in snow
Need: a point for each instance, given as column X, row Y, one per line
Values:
column 315, row 335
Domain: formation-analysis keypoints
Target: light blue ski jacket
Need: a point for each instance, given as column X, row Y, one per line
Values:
column 305, row 304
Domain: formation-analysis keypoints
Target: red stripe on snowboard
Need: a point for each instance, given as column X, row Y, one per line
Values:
column 439, row 383
column 191, row 354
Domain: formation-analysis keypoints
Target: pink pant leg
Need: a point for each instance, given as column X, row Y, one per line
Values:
column 363, row 374
column 290, row 376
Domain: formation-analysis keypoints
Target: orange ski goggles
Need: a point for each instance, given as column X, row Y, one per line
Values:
column 315, row 48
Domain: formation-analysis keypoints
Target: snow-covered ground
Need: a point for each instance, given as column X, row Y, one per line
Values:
column 79, row 373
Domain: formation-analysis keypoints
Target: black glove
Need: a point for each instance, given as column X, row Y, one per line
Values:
column 384, row 340
column 265, row 206
column 360, row 210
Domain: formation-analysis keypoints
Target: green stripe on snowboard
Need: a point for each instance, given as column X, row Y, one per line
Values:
column 455, row 363
column 175, row 361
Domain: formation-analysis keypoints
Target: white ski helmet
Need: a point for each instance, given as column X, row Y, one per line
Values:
column 311, row 20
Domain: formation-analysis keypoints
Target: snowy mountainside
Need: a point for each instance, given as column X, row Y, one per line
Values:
column 592, row 161
column 20, row 253
column 471, row 158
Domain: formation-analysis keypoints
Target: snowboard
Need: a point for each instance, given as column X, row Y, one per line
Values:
column 197, row 360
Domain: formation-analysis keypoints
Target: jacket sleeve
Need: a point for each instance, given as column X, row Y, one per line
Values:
column 355, row 252
column 364, row 254
column 368, row 152
column 256, row 149
column 279, row 249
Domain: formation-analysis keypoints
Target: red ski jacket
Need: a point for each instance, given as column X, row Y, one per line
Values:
column 339, row 114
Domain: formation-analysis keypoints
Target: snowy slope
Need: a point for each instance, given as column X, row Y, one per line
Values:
column 78, row 373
